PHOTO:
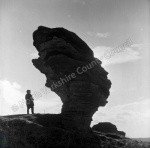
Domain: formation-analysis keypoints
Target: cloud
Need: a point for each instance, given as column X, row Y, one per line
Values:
column 137, row 45
column 102, row 35
column 129, row 117
column 9, row 95
column 34, row 55
column 100, row 50
column 121, row 54
column 10, row 91
column 99, row 35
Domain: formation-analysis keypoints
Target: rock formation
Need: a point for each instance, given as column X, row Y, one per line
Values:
column 107, row 127
column 43, row 131
column 73, row 74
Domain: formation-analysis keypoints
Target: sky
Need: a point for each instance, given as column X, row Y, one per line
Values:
column 116, row 30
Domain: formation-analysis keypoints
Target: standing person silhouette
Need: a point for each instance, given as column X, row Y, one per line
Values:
column 29, row 102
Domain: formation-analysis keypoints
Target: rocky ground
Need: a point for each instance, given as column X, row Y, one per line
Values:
column 45, row 131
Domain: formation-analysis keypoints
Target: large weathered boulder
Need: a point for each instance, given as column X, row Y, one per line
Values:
column 107, row 127
column 72, row 73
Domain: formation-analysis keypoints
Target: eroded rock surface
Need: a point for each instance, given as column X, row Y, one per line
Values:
column 72, row 73
column 44, row 131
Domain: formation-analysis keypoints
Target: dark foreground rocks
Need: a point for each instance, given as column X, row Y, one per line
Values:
column 73, row 73
column 45, row 131
column 107, row 127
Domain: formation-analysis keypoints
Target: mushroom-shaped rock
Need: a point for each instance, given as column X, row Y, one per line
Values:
column 73, row 74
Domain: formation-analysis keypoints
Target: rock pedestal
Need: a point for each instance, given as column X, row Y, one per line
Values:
column 73, row 74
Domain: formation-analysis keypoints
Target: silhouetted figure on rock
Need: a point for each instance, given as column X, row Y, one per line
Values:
column 29, row 102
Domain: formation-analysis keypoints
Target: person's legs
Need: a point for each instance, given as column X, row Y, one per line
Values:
column 32, row 110
column 28, row 110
